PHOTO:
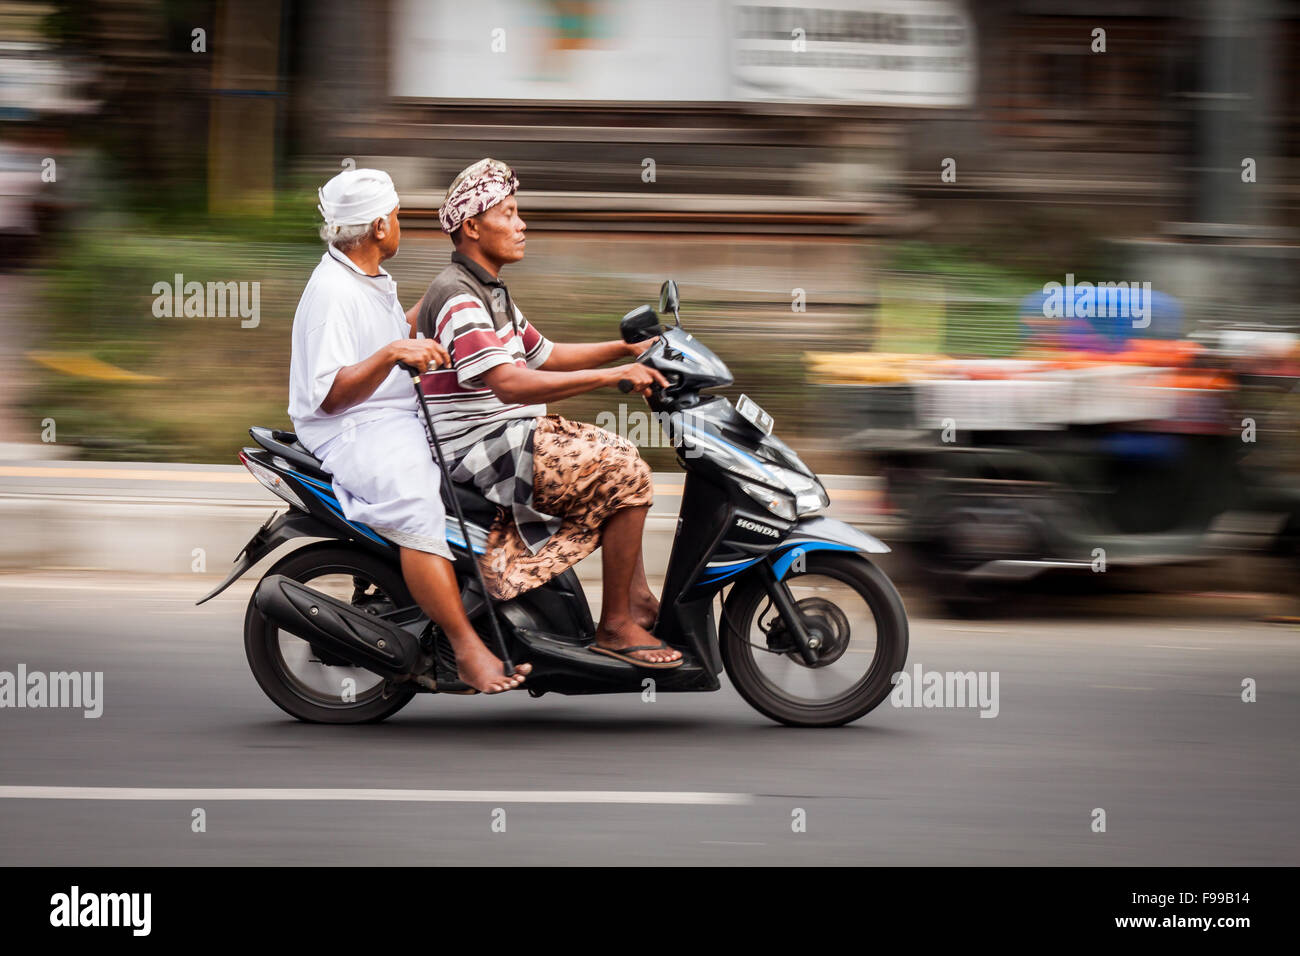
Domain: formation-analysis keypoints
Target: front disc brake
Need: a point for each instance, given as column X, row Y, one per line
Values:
column 827, row 628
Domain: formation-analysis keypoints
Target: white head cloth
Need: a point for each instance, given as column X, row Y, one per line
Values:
column 356, row 197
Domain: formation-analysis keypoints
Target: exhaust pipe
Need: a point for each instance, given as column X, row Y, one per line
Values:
column 361, row 639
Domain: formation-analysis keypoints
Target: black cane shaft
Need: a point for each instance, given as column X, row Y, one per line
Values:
column 508, row 666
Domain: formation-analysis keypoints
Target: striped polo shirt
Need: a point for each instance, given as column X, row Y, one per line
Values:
column 471, row 313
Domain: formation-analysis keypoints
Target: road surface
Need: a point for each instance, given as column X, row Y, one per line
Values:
column 1141, row 716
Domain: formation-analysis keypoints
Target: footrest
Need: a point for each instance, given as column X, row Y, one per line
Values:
column 554, row 647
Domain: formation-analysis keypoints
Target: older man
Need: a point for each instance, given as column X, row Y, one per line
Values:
column 568, row 486
column 354, row 408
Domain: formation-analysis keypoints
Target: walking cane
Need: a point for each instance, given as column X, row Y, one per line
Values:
column 508, row 667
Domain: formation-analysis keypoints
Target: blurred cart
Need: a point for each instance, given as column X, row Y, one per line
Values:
column 1077, row 454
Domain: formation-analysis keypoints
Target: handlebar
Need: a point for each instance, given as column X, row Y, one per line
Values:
column 656, row 390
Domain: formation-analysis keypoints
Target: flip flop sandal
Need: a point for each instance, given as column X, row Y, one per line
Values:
column 623, row 652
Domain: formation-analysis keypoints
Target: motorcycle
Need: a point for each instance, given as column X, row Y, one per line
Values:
column 809, row 630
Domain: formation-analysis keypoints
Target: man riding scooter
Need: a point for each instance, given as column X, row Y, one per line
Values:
column 333, row 633
column 352, row 405
column 564, row 487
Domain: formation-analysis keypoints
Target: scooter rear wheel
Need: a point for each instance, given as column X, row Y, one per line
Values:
column 290, row 671
column 851, row 608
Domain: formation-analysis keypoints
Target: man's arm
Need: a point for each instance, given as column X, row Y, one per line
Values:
column 527, row 386
column 572, row 356
column 353, row 384
column 413, row 315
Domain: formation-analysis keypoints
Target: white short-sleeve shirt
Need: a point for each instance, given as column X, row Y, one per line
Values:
column 343, row 317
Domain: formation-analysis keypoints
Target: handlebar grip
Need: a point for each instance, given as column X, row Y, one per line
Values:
column 656, row 390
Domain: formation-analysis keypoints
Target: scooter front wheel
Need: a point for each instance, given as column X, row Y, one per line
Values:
column 851, row 612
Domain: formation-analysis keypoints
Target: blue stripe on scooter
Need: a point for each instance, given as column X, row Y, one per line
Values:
column 313, row 482
column 782, row 564
column 779, row 567
column 718, row 574
column 331, row 503
column 456, row 540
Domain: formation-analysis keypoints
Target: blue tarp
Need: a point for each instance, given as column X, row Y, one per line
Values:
column 1101, row 318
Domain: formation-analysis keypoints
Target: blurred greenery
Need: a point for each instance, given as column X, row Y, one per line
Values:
column 950, row 299
column 217, row 378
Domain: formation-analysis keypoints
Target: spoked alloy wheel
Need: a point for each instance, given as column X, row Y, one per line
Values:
column 857, row 629
column 313, row 685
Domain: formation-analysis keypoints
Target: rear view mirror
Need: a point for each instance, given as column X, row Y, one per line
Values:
column 640, row 324
column 668, row 301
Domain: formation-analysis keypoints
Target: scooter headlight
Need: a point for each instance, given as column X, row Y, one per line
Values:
column 782, row 506
column 780, row 502
column 271, row 481
column 809, row 495
column 811, row 503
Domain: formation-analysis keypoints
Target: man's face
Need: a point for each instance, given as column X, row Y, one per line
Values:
column 389, row 237
column 501, row 232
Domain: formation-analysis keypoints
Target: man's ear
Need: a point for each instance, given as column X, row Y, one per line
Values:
column 469, row 229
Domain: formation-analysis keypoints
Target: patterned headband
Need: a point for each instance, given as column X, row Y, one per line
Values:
column 477, row 189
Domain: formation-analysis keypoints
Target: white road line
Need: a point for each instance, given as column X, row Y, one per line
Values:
column 658, row 797
column 1180, row 647
column 31, row 583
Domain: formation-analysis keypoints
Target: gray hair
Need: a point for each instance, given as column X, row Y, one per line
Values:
column 349, row 237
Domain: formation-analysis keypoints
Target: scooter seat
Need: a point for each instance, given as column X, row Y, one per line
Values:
column 287, row 446
column 476, row 509
column 473, row 505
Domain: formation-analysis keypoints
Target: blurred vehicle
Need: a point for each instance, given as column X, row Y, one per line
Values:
column 1092, row 450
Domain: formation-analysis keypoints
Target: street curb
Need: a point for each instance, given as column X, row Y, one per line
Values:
column 169, row 519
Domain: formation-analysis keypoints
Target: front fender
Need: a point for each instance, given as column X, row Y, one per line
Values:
column 819, row 533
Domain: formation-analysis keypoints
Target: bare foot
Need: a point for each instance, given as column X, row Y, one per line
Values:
column 482, row 670
column 616, row 634
column 645, row 610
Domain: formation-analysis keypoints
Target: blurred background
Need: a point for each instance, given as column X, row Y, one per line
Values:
column 863, row 202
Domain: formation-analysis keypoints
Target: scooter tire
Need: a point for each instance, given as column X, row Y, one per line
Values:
column 747, row 598
column 261, row 638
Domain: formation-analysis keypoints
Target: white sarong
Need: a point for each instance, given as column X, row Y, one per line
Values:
column 385, row 477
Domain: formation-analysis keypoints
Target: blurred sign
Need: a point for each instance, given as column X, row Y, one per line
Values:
column 890, row 52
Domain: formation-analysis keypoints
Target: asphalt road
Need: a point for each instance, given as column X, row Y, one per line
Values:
column 1132, row 708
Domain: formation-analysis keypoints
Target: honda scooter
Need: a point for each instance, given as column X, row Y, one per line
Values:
column 759, row 582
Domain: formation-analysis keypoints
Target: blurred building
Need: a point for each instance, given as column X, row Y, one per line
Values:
column 812, row 118
column 774, row 158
